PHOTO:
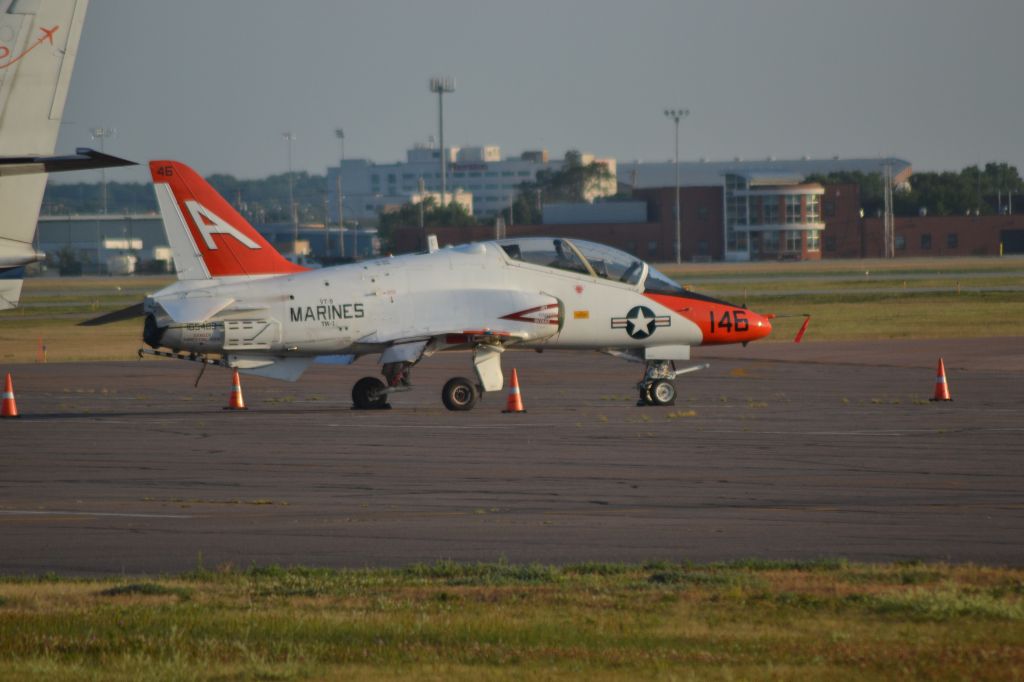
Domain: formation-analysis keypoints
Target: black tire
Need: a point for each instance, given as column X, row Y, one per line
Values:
column 368, row 394
column 459, row 394
column 662, row 393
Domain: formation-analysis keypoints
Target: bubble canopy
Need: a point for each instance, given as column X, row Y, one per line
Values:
column 588, row 258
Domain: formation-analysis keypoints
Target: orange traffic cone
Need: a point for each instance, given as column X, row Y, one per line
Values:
column 236, row 402
column 515, row 399
column 941, row 387
column 9, row 407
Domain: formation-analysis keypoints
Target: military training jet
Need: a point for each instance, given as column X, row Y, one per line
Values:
column 241, row 304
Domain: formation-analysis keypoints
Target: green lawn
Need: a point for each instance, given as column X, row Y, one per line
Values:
column 747, row 620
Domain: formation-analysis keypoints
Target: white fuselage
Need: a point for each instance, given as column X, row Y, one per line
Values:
column 364, row 307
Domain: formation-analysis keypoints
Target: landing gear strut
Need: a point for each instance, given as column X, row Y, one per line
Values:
column 371, row 393
column 657, row 388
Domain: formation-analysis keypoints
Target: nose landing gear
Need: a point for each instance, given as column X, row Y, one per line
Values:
column 657, row 388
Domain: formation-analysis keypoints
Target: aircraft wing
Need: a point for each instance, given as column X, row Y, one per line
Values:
column 82, row 159
column 468, row 316
column 197, row 309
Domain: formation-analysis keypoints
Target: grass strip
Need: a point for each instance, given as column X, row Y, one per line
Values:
column 746, row 620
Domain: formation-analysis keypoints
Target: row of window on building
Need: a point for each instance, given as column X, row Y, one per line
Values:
column 900, row 242
column 392, row 178
column 793, row 241
column 799, row 209
column 952, row 241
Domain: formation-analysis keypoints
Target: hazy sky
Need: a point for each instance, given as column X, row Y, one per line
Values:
column 214, row 83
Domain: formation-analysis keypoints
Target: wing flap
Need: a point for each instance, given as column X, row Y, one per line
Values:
column 284, row 369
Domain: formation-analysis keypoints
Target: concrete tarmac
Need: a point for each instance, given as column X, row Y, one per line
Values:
column 776, row 451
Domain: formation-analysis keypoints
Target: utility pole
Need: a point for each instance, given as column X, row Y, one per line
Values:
column 888, row 221
column 676, row 115
column 340, row 134
column 102, row 134
column 441, row 86
column 423, row 229
column 289, row 138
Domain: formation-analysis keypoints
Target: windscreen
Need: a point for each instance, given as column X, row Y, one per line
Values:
column 660, row 283
column 611, row 263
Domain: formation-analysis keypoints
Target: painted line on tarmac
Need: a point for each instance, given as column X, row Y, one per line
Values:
column 36, row 512
column 881, row 432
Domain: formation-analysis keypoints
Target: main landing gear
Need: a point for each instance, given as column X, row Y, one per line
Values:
column 459, row 394
column 657, row 388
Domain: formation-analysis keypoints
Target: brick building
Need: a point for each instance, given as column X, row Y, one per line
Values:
column 848, row 235
column 763, row 216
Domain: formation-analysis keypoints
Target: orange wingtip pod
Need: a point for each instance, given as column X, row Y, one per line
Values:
column 9, row 407
column 803, row 328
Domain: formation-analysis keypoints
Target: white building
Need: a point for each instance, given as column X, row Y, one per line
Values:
column 648, row 174
column 492, row 182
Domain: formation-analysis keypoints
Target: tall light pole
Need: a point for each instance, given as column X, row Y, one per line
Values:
column 441, row 86
column 423, row 230
column 340, row 134
column 101, row 134
column 289, row 138
column 677, row 115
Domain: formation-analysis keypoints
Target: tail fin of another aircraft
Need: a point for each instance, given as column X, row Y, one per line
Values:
column 38, row 45
column 208, row 237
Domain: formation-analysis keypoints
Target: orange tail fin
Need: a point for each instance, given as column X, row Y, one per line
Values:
column 209, row 237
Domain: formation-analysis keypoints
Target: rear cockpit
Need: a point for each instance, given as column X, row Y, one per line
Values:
column 579, row 256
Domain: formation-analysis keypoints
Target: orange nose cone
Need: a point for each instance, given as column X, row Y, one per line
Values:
column 760, row 327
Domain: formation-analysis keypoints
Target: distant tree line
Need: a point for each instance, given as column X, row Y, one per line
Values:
column 944, row 193
column 87, row 197
column 263, row 200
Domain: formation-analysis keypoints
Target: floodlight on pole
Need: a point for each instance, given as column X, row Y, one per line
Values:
column 441, row 86
column 101, row 134
column 340, row 134
column 677, row 115
column 289, row 138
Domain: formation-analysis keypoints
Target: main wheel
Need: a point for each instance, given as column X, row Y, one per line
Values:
column 459, row 394
column 663, row 393
column 368, row 394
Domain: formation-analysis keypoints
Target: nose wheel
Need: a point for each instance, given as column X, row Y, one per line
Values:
column 658, row 388
column 660, row 393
